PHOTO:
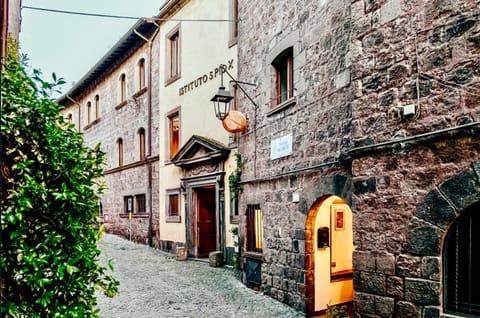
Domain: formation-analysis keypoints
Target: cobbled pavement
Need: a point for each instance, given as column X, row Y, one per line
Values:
column 154, row 284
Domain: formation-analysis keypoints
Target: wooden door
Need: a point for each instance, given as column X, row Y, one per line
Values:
column 207, row 225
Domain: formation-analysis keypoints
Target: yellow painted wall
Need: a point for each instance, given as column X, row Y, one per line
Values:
column 204, row 46
column 339, row 253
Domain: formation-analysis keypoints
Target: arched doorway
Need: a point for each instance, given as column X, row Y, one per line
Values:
column 328, row 248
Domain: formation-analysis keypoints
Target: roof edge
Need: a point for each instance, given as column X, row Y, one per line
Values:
column 64, row 98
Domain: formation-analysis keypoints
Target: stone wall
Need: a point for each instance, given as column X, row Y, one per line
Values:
column 123, row 120
column 425, row 54
column 318, row 119
column 386, row 113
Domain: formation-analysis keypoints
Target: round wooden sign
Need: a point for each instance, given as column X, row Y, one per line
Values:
column 234, row 122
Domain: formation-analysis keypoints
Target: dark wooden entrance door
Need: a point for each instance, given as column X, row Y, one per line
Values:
column 207, row 225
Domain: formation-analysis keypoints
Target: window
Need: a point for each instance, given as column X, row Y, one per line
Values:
column 70, row 118
column 141, row 141
column 461, row 263
column 97, row 106
column 254, row 229
column 140, row 206
column 141, row 74
column 174, row 133
column 120, row 151
column 89, row 111
column 173, row 55
column 173, row 205
column 123, row 88
column 234, row 23
column 128, row 204
column 283, row 66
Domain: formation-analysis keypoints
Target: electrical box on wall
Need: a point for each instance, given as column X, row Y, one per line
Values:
column 408, row 110
column 323, row 237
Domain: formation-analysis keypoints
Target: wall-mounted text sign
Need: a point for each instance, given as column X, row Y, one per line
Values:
column 281, row 147
column 203, row 79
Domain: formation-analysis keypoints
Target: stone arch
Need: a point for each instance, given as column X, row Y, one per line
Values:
column 428, row 228
column 440, row 208
column 339, row 185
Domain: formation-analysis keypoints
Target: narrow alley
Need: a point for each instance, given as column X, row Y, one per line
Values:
column 155, row 284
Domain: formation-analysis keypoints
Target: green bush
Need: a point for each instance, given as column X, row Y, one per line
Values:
column 49, row 232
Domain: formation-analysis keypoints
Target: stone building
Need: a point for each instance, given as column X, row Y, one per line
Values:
column 147, row 102
column 115, row 105
column 361, row 161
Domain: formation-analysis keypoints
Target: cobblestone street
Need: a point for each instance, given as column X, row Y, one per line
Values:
column 155, row 284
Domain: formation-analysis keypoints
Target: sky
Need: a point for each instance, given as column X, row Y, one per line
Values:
column 70, row 45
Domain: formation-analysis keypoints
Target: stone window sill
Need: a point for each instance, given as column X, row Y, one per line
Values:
column 140, row 92
column 172, row 79
column 121, row 105
column 134, row 215
column 96, row 121
column 286, row 104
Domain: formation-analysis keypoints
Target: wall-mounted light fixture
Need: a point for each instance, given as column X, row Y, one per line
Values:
column 221, row 100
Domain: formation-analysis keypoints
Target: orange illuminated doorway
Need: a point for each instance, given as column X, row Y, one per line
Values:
column 329, row 249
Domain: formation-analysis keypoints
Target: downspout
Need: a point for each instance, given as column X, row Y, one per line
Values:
column 4, row 23
column 149, row 130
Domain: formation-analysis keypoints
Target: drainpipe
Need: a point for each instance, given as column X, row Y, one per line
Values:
column 149, row 129
column 4, row 23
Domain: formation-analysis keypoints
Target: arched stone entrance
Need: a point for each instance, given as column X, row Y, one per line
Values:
column 441, row 209
column 328, row 249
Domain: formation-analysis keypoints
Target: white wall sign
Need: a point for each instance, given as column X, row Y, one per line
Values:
column 281, row 147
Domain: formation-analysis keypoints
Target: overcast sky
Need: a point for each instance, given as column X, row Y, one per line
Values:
column 70, row 45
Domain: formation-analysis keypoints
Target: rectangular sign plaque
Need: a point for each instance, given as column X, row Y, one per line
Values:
column 281, row 147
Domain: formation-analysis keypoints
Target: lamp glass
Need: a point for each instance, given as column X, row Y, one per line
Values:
column 221, row 103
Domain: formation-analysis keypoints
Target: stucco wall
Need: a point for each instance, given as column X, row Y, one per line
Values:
column 203, row 47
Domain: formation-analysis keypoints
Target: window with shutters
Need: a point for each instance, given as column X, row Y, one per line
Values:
column 173, row 66
column 254, row 229
column 173, row 124
column 173, row 205
column 283, row 66
column 141, row 142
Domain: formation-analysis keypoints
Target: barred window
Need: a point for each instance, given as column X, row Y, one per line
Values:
column 461, row 263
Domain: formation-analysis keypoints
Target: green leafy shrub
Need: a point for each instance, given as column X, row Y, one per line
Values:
column 235, row 259
column 49, row 232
